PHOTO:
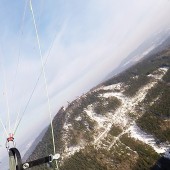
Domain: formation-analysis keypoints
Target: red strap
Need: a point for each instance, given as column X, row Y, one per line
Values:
column 11, row 137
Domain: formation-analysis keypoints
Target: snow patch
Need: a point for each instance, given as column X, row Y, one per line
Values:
column 135, row 77
column 158, row 74
column 104, row 133
column 117, row 86
column 120, row 119
column 120, row 116
column 71, row 151
column 138, row 134
column 113, row 94
column 67, row 126
column 101, row 120
column 78, row 118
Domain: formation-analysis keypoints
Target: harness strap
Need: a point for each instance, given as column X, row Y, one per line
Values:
column 37, row 162
column 15, row 162
column 40, row 161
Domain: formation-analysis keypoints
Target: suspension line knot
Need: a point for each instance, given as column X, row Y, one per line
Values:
column 10, row 139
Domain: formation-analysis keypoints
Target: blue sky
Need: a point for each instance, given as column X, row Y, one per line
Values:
column 91, row 38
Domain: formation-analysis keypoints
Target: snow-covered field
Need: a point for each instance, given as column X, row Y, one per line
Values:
column 138, row 134
column 101, row 120
column 71, row 150
column 120, row 117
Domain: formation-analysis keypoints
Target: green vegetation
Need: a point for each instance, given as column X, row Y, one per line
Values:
column 90, row 98
column 122, row 157
column 81, row 104
column 115, row 131
column 158, row 112
column 161, row 107
column 92, row 158
column 134, row 85
column 133, row 115
column 101, row 91
column 101, row 105
column 154, row 125
column 82, row 161
column 45, row 146
column 105, row 105
column 146, row 155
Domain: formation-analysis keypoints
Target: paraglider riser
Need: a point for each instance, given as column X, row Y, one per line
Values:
column 14, row 156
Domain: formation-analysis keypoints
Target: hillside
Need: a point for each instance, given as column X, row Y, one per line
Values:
column 151, row 46
column 33, row 145
column 122, row 124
